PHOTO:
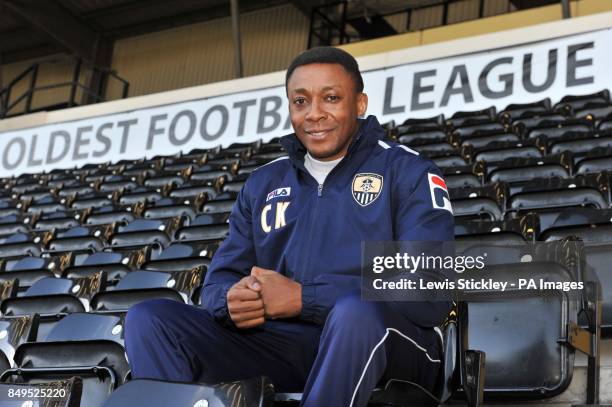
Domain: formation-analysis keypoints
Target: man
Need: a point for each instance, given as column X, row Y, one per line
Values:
column 282, row 295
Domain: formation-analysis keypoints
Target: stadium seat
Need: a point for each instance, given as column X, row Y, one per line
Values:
column 106, row 215
column 114, row 265
column 499, row 151
column 84, row 345
column 580, row 144
column 167, row 208
column 154, row 393
column 554, row 131
column 518, row 109
column 483, row 138
column 140, row 232
column 482, row 202
column 428, row 135
column 594, row 112
column 143, row 285
column 460, row 118
column 571, row 103
column 528, row 120
column 28, row 270
column 528, row 323
column 181, row 256
column 524, row 228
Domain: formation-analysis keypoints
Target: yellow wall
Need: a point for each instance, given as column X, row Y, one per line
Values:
column 476, row 27
column 203, row 53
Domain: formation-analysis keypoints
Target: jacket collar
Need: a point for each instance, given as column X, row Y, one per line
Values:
column 369, row 133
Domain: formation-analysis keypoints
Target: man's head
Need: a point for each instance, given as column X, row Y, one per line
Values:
column 325, row 92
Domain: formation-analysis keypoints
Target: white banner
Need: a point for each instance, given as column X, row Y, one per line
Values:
column 578, row 64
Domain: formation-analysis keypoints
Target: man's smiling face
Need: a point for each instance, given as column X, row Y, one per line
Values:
column 324, row 106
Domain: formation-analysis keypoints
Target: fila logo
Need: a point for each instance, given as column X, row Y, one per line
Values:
column 439, row 194
column 279, row 216
column 278, row 193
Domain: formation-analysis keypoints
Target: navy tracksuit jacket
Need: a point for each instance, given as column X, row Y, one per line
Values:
column 340, row 347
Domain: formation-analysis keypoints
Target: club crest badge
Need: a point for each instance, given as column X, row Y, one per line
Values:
column 366, row 188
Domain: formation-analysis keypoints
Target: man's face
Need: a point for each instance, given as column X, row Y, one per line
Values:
column 324, row 106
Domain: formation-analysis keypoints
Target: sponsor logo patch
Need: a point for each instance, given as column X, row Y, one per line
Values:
column 277, row 193
column 366, row 188
column 439, row 193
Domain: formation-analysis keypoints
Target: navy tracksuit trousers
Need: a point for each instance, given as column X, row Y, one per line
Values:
column 337, row 364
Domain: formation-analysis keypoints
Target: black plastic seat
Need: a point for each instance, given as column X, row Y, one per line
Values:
column 500, row 151
column 51, row 296
column 80, row 238
column 19, row 249
column 581, row 144
column 28, row 270
column 524, row 228
column 213, row 232
column 57, row 220
column 555, row 131
column 518, row 109
column 181, row 256
column 114, row 266
column 138, row 286
column 417, row 125
column 137, row 195
column 450, row 160
column 78, row 345
column 218, row 206
column 460, row 118
column 13, row 332
column 108, row 214
column 167, row 208
column 477, row 203
column 549, row 203
column 210, row 218
column 571, row 103
column 142, row 232
column 154, row 393
column 594, row 111
column 594, row 165
column 527, row 323
column 421, row 137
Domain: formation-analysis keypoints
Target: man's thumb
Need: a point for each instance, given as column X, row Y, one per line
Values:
column 253, row 283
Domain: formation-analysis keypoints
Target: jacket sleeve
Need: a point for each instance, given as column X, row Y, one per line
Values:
column 414, row 219
column 423, row 214
column 232, row 261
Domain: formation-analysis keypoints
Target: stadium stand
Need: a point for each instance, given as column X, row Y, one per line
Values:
column 530, row 183
column 80, row 246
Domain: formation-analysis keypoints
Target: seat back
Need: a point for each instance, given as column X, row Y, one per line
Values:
column 154, row 393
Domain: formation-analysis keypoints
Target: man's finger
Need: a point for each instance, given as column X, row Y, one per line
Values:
column 245, row 306
column 259, row 271
column 241, row 294
column 252, row 323
column 246, row 316
column 252, row 283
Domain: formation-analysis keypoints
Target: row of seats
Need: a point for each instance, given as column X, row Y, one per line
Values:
column 79, row 247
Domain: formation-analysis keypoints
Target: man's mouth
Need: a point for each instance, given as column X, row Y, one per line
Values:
column 318, row 133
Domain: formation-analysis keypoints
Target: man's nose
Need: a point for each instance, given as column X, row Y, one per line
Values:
column 315, row 113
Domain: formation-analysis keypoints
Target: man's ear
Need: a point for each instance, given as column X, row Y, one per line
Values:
column 362, row 104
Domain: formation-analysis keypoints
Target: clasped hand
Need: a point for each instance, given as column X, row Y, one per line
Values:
column 265, row 294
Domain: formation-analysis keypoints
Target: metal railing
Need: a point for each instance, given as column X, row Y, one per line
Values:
column 329, row 23
column 10, row 106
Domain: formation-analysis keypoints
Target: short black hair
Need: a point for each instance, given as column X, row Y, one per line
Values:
column 327, row 55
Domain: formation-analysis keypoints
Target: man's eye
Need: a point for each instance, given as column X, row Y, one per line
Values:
column 299, row 101
column 332, row 98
